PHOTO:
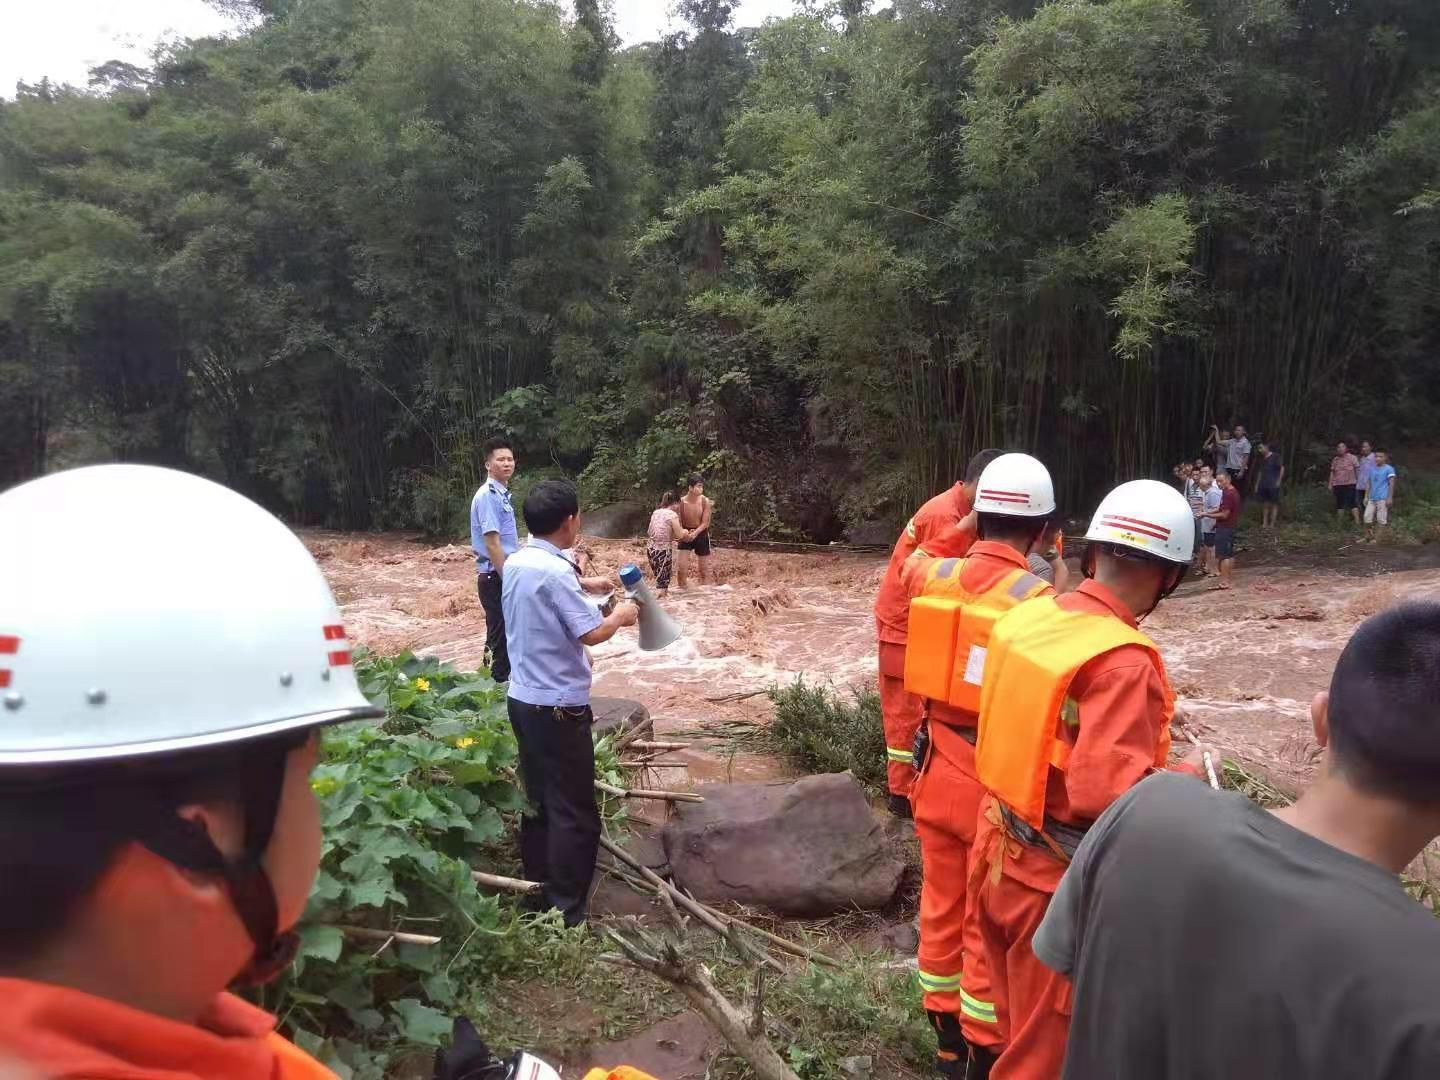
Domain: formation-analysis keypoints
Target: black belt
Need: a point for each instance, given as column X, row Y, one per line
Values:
column 1066, row 837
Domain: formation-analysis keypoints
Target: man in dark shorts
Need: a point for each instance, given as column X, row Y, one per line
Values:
column 1227, row 519
column 694, row 509
column 1208, row 937
column 1272, row 474
column 1344, row 474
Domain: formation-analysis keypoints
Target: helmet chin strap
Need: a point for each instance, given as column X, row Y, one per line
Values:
column 1087, row 568
column 186, row 844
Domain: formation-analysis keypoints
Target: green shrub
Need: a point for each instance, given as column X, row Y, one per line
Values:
column 817, row 730
column 404, row 806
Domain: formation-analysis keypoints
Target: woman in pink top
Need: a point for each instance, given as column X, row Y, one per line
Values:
column 1344, row 472
column 665, row 529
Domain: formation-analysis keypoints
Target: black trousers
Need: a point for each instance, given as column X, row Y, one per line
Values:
column 560, row 836
column 489, row 587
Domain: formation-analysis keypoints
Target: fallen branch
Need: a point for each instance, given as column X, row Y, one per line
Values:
column 641, row 744
column 715, row 920
column 654, row 764
column 370, row 934
column 506, row 884
column 666, row 959
column 641, row 793
column 739, row 695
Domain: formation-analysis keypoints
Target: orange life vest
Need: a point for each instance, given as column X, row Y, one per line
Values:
column 623, row 1072
column 950, row 631
column 1035, row 652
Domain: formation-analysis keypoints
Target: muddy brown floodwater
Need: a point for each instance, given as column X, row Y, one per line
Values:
column 1245, row 663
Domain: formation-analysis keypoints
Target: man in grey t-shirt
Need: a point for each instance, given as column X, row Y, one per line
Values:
column 1207, row 937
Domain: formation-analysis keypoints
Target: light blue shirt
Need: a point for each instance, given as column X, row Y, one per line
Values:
column 1362, row 474
column 1209, row 500
column 1380, row 478
column 490, row 511
column 546, row 615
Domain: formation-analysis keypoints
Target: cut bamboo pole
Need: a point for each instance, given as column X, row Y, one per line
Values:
column 370, row 934
column 507, row 884
column 641, row 793
column 642, row 744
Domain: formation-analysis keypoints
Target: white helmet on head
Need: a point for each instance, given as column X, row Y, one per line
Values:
column 1016, row 485
column 145, row 610
column 1148, row 516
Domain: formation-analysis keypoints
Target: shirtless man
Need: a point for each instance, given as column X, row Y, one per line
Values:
column 694, row 510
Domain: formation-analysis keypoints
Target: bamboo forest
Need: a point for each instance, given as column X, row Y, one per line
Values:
column 823, row 260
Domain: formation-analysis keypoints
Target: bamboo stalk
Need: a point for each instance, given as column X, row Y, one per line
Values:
column 643, row 744
column 370, row 934
column 507, row 884
column 643, row 793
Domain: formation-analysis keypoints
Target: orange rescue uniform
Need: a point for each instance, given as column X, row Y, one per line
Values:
column 947, row 796
column 935, row 530
column 1115, row 727
column 64, row 1034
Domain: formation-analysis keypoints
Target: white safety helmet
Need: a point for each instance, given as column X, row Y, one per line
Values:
column 1148, row 516
column 145, row 615
column 1016, row 485
column 145, row 610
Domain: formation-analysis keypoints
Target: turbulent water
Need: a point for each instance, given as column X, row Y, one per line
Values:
column 1246, row 663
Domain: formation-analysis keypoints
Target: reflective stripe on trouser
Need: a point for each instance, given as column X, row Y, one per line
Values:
column 953, row 972
column 900, row 713
column 1034, row 1001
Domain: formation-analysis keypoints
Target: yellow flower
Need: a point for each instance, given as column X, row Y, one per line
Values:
column 422, row 683
column 460, row 744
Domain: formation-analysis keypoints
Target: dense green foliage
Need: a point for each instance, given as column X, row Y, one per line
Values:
column 403, row 806
column 824, row 260
column 816, row 730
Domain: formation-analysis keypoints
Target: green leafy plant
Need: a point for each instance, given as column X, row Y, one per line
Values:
column 818, row 730
column 405, row 807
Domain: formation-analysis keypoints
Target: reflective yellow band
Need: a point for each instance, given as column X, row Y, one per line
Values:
column 976, row 1009
column 939, row 984
column 910, row 528
column 900, row 755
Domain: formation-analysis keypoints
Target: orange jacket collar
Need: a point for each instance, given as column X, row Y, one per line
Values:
column 65, row 1033
column 996, row 550
column 1107, row 600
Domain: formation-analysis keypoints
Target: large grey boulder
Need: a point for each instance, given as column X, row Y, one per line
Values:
column 807, row 848
column 619, row 716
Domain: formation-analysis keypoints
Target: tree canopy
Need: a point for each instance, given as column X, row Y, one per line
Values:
column 823, row 260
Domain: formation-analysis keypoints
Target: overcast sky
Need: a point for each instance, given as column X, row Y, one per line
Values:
column 65, row 38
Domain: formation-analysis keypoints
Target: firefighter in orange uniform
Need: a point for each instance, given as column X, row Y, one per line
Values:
column 957, row 603
column 942, row 527
column 159, row 836
column 1075, row 710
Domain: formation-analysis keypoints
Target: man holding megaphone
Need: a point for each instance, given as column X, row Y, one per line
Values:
column 549, row 620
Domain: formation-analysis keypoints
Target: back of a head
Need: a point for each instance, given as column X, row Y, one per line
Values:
column 1384, row 711
column 667, row 499
column 979, row 462
column 548, row 505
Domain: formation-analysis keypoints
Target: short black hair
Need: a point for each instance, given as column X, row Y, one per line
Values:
column 1385, row 704
column 978, row 463
column 547, row 506
column 1008, row 528
column 694, row 478
column 62, row 828
column 1379, row 450
column 497, row 444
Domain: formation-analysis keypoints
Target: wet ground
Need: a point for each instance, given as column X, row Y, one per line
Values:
column 1246, row 663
